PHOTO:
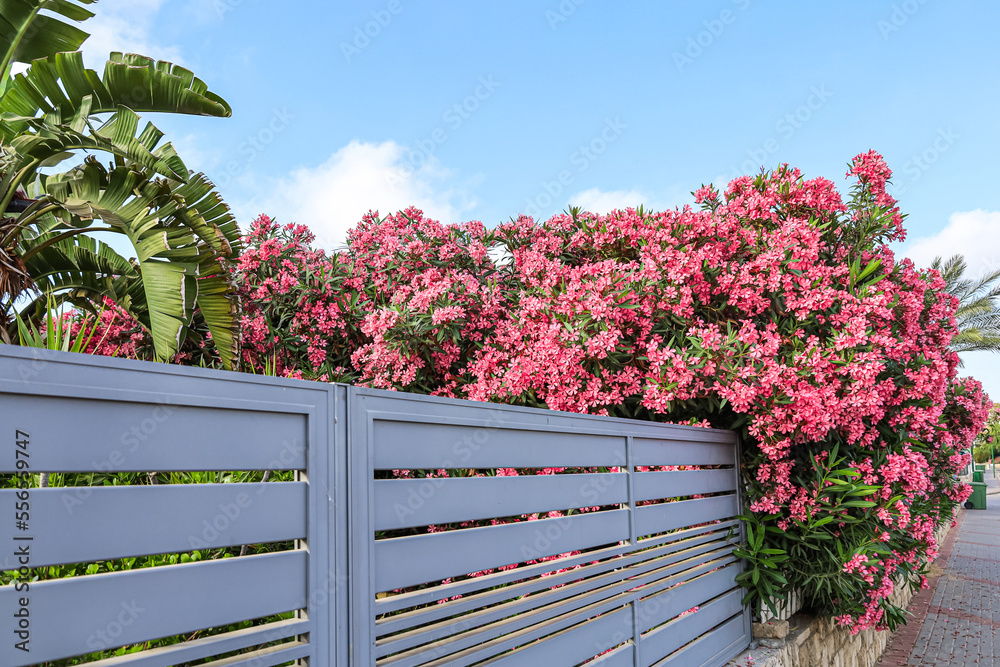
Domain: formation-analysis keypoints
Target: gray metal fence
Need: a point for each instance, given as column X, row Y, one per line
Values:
column 418, row 530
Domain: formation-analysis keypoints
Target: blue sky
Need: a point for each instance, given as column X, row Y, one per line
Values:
column 484, row 110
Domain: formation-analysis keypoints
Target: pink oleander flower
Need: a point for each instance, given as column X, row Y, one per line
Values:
column 741, row 312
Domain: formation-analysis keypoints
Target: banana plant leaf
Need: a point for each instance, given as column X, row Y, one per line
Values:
column 27, row 34
column 182, row 233
column 46, row 140
column 61, row 82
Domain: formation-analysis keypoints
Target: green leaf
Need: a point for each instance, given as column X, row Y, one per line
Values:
column 40, row 140
column 218, row 306
column 171, row 290
column 872, row 266
column 59, row 83
column 27, row 34
column 168, row 222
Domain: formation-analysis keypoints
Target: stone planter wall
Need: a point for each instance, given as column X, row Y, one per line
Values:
column 786, row 608
column 805, row 641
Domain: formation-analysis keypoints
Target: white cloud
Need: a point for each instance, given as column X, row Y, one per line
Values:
column 126, row 26
column 975, row 234
column 332, row 197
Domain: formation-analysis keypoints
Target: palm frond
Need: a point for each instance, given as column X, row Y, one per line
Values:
column 978, row 313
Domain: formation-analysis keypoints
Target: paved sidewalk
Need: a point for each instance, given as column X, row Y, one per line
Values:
column 957, row 620
column 992, row 485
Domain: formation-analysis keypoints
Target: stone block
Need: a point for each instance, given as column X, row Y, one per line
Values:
column 771, row 630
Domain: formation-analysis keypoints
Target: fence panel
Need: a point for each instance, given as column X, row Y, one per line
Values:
column 415, row 531
column 64, row 413
column 489, row 535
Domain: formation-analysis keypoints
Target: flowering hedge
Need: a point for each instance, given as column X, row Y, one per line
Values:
column 775, row 309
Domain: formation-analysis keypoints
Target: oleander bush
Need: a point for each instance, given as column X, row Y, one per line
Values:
column 775, row 308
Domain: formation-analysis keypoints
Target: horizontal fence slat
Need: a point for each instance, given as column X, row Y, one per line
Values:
column 713, row 649
column 119, row 436
column 475, row 414
column 667, row 638
column 652, row 519
column 642, row 579
column 576, row 644
column 582, row 606
column 676, row 541
column 623, row 656
column 83, row 524
column 205, row 647
column 34, row 371
column 140, row 605
column 694, row 452
column 667, row 559
column 661, row 607
column 472, row 647
column 404, row 503
column 418, row 446
column 670, row 484
column 466, row 650
column 407, row 561
column 267, row 657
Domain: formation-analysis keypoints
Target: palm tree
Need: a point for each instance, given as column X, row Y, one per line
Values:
column 182, row 232
column 978, row 314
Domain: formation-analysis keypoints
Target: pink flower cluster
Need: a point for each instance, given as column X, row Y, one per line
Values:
column 776, row 309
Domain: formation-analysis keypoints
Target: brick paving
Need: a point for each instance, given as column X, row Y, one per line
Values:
column 957, row 620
